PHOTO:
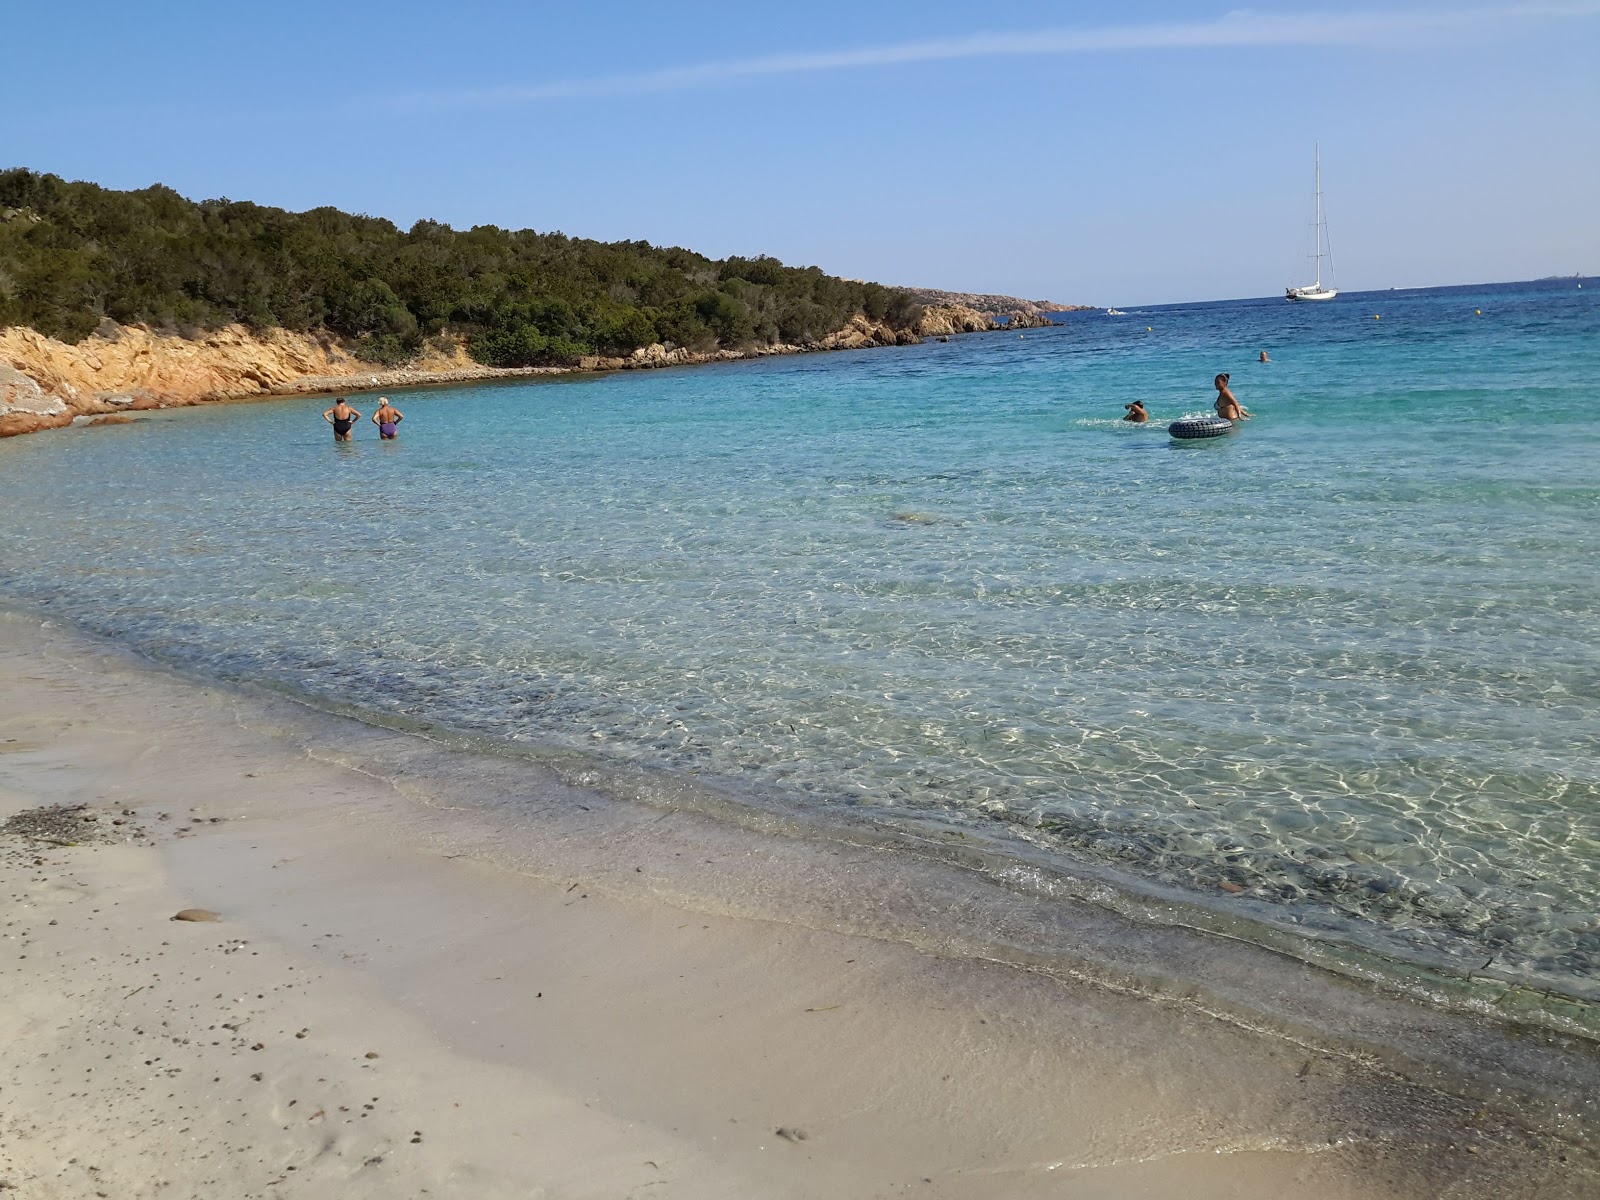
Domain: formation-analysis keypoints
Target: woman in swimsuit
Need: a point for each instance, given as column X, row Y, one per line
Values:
column 343, row 418
column 387, row 419
column 1227, row 407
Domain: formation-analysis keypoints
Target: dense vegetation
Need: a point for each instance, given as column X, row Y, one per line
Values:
column 73, row 254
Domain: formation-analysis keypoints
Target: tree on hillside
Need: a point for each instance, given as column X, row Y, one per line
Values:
column 73, row 254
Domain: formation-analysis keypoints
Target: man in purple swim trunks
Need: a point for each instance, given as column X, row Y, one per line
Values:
column 387, row 419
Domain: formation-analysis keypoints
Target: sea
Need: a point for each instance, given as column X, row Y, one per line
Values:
column 1332, row 679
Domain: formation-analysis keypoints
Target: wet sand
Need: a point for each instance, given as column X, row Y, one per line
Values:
column 385, row 1008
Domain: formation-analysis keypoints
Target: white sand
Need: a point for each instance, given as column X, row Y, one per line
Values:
column 575, row 1037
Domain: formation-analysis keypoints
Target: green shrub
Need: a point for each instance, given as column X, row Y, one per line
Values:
column 387, row 348
column 624, row 332
column 519, row 346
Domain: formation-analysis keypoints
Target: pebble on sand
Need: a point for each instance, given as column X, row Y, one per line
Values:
column 195, row 914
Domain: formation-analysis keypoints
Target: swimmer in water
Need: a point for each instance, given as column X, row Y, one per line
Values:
column 1227, row 407
column 343, row 418
column 387, row 419
column 1263, row 357
column 1136, row 412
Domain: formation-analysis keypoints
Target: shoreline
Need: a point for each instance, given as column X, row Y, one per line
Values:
column 46, row 384
column 991, row 898
column 338, row 859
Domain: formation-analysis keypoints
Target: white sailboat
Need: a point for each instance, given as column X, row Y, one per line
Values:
column 1315, row 290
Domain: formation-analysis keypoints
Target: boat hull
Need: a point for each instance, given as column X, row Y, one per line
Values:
column 1298, row 294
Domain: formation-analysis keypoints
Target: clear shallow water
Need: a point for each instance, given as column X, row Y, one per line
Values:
column 1339, row 671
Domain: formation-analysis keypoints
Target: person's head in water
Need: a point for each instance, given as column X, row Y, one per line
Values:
column 1264, row 357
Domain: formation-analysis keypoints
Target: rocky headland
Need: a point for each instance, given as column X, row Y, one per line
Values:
column 114, row 301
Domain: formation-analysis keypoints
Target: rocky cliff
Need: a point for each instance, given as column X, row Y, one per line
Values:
column 947, row 313
column 45, row 383
column 941, row 320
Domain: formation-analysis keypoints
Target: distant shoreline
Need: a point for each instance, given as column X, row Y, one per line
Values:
column 48, row 384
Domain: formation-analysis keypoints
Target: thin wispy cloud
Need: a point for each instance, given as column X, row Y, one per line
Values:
column 1235, row 30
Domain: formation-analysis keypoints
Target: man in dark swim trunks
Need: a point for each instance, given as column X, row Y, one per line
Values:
column 343, row 418
column 387, row 419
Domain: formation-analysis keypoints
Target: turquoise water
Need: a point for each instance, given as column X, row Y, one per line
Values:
column 1338, row 671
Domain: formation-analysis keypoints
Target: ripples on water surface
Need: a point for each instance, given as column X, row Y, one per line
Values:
column 1346, row 660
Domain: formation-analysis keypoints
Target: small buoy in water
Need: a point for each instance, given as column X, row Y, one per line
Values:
column 1479, row 311
column 1149, row 328
column 1376, row 317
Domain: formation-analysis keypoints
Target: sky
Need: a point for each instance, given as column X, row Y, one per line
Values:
column 1136, row 153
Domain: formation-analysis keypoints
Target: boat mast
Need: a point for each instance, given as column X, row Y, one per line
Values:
column 1317, row 231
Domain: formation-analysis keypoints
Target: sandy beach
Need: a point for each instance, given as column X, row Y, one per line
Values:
column 378, row 1010
column 959, row 767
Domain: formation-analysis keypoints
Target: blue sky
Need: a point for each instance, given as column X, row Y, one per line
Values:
column 1126, row 154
